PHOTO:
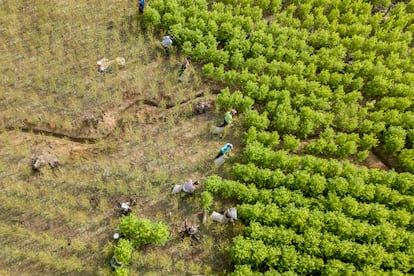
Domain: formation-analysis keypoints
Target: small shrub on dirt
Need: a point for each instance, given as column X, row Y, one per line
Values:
column 362, row 155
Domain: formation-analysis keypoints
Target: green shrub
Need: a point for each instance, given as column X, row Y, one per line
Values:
column 368, row 141
column 407, row 160
column 152, row 17
column 394, row 140
column 122, row 271
column 235, row 100
column 290, row 142
column 123, row 251
column 143, row 231
column 207, row 200
column 260, row 121
column 362, row 155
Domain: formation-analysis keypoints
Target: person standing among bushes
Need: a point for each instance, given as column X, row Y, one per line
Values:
column 167, row 42
column 141, row 6
column 186, row 65
column 226, row 148
column 228, row 117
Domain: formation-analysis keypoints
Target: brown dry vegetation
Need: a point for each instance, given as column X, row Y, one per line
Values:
column 146, row 139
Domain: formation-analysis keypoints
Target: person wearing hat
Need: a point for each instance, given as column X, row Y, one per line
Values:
column 231, row 214
column 226, row 148
column 167, row 42
column 228, row 117
column 190, row 186
column 101, row 68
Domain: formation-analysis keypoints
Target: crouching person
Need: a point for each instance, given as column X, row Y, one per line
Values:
column 125, row 208
column 230, row 215
column 188, row 187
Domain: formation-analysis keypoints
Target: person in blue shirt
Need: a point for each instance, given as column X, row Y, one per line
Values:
column 141, row 6
column 227, row 147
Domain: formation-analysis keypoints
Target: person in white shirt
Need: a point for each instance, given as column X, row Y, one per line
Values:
column 125, row 208
column 167, row 42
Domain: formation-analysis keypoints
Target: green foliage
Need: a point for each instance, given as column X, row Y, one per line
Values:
column 362, row 155
column 236, row 100
column 369, row 141
column 207, row 200
column 271, row 139
column 123, row 251
column 406, row 158
column 259, row 121
column 248, row 251
column 122, row 271
column 143, row 231
column 394, row 140
column 152, row 17
column 290, row 142
column 308, row 73
column 241, row 270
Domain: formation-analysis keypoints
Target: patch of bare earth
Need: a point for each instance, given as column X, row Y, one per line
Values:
column 373, row 162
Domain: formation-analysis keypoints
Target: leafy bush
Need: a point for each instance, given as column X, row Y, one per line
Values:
column 207, row 200
column 290, row 142
column 227, row 100
column 152, row 17
column 121, row 271
column 394, row 140
column 368, row 141
column 362, row 155
column 259, row 121
column 123, row 251
column 308, row 70
column 407, row 159
column 143, row 231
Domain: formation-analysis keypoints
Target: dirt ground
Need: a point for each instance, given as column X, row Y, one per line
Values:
column 166, row 147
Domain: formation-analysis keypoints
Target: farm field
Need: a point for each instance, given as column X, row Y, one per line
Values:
column 322, row 173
